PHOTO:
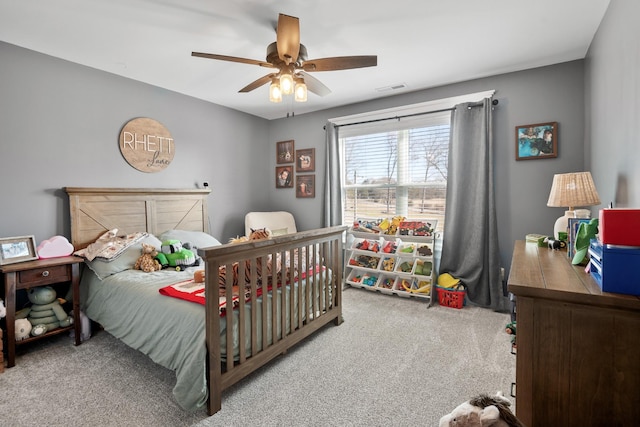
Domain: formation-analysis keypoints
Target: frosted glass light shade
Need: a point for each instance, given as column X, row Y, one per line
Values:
column 275, row 94
column 300, row 93
column 286, row 83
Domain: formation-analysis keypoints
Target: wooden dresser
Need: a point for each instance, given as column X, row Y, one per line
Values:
column 578, row 349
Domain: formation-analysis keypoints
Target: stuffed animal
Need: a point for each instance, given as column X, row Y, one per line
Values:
column 3, row 310
column 176, row 255
column 23, row 329
column 259, row 234
column 45, row 313
column 482, row 411
column 147, row 262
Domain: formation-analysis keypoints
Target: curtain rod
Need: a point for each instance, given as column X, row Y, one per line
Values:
column 493, row 102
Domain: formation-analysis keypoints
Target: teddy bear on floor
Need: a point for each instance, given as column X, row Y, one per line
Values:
column 482, row 411
column 147, row 261
column 45, row 313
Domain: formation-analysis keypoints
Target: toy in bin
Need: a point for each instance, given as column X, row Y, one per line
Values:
column 451, row 291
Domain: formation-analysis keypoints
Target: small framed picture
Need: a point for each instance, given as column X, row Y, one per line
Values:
column 305, row 186
column 284, row 177
column 17, row 249
column 538, row 141
column 306, row 160
column 284, row 152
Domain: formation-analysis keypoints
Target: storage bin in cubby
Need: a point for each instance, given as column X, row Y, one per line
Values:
column 397, row 286
column 424, row 284
column 362, row 278
column 406, row 249
column 404, row 265
column 424, row 250
column 422, row 267
column 371, row 245
column 385, row 282
column 364, row 261
column 387, row 263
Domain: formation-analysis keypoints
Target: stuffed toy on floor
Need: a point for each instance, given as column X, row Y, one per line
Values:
column 45, row 312
column 482, row 411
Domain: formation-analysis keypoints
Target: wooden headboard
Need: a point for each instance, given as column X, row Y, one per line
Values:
column 154, row 210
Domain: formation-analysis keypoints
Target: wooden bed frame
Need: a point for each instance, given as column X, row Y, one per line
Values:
column 96, row 210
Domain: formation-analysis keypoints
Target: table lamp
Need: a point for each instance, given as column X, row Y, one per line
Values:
column 570, row 190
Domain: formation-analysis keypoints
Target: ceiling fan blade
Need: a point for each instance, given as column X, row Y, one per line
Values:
column 314, row 85
column 232, row 59
column 256, row 84
column 340, row 63
column 288, row 38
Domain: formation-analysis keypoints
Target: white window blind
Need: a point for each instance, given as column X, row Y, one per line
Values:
column 398, row 166
column 401, row 170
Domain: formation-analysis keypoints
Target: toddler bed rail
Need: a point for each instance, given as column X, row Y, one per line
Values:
column 299, row 279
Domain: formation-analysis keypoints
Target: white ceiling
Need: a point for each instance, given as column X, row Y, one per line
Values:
column 419, row 43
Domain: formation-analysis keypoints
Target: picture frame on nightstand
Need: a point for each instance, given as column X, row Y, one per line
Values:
column 17, row 249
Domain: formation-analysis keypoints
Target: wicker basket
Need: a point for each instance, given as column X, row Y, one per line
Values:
column 451, row 297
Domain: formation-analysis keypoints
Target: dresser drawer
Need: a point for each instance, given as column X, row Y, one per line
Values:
column 43, row 276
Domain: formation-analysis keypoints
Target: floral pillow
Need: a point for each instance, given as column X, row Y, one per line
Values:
column 114, row 254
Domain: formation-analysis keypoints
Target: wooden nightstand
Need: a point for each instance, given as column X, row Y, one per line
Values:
column 42, row 272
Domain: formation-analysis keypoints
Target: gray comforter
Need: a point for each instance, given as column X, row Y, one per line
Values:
column 169, row 330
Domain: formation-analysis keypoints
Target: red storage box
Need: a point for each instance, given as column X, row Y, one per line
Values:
column 451, row 297
column 619, row 227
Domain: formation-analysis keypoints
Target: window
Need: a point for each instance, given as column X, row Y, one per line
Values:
column 395, row 161
column 396, row 169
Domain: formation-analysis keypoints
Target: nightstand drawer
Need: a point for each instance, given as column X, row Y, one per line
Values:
column 43, row 276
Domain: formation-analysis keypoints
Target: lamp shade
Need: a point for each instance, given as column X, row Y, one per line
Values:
column 570, row 190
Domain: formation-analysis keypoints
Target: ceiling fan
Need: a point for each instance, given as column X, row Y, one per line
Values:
column 289, row 57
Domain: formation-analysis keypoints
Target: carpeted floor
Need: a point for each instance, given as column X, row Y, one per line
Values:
column 393, row 362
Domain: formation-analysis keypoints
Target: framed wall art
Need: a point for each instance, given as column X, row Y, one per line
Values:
column 306, row 160
column 537, row 141
column 284, row 176
column 305, row 186
column 284, row 152
column 17, row 249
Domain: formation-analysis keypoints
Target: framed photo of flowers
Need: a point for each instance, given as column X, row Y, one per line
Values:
column 537, row 141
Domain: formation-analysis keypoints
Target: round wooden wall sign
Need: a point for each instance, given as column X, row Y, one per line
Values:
column 147, row 145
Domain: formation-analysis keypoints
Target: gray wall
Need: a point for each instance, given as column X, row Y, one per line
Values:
column 613, row 105
column 59, row 126
column 553, row 93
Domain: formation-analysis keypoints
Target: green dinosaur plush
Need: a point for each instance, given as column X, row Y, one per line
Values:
column 175, row 255
column 45, row 312
column 586, row 232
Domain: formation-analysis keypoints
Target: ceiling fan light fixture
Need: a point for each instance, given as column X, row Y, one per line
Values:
column 275, row 94
column 286, row 83
column 300, row 91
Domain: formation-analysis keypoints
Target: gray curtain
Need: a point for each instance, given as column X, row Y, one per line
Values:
column 470, row 239
column 332, row 195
